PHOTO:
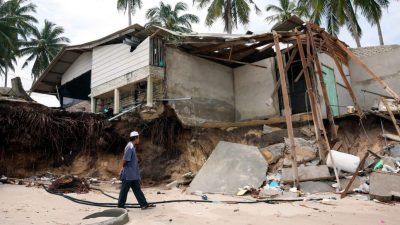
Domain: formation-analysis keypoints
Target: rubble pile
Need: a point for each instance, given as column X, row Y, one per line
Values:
column 367, row 166
column 70, row 184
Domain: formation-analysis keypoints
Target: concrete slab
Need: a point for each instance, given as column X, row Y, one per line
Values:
column 384, row 186
column 306, row 173
column 315, row 187
column 230, row 167
column 356, row 183
column 395, row 151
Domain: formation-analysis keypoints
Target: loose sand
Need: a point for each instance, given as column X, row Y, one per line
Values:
column 23, row 205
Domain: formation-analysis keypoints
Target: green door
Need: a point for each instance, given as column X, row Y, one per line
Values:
column 330, row 82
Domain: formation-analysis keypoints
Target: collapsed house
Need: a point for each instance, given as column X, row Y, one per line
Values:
column 214, row 79
column 228, row 78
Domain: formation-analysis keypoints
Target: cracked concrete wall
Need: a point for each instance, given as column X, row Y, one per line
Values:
column 385, row 62
column 253, row 89
column 208, row 83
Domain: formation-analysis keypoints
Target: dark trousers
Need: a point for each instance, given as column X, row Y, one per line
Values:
column 135, row 185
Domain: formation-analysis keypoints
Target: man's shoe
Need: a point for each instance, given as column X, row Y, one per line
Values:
column 148, row 206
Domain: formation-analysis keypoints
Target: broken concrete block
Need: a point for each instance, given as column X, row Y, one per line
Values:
column 309, row 132
column 267, row 129
column 384, row 186
column 306, row 173
column 287, row 162
column 395, row 151
column 172, row 185
column 391, row 137
column 356, row 183
column 315, row 187
column 230, row 167
column 315, row 162
column 273, row 153
column 305, row 150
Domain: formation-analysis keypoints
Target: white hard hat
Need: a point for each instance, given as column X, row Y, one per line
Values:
column 134, row 134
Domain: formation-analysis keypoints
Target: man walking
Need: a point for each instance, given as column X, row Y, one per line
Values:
column 130, row 174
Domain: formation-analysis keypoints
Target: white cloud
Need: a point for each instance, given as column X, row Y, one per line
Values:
column 87, row 20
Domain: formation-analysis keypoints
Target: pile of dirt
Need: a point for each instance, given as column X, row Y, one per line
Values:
column 357, row 136
column 70, row 184
column 36, row 139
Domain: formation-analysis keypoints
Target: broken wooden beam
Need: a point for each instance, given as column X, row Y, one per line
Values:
column 311, row 96
column 362, row 162
column 303, row 117
column 323, row 86
column 391, row 115
column 371, row 73
column 230, row 60
column 288, row 111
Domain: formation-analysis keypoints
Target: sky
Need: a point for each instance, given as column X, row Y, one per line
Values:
column 87, row 20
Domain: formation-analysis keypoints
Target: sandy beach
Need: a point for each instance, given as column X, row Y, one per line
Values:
column 31, row 205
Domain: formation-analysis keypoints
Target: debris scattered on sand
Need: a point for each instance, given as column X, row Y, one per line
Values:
column 70, row 184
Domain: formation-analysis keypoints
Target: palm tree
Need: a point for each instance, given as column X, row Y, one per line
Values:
column 232, row 12
column 130, row 6
column 42, row 47
column 375, row 15
column 8, row 44
column 284, row 11
column 335, row 13
column 168, row 17
column 15, row 21
column 338, row 13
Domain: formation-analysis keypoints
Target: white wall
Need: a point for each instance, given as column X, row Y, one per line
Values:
column 344, row 98
column 253, row 89
column 385, row 62
column 208, row 83
column 80, row 66
column 113, row 61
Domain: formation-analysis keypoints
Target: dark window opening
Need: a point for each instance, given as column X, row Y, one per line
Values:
column 297, row 88
column 75, row 90
column 157, row 52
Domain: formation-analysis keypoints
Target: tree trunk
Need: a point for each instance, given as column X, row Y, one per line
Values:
column 228, row 17
column 5, row 76
column 378, row 24
column 353, row 25
column 357, row 39
column 18, row 90
column 33, row 82
column 129, row 14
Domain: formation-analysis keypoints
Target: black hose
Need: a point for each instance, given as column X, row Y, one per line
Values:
column 113, row 205
column 110, row 196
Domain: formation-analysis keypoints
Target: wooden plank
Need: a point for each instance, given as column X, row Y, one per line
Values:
column 291, row 58
column 343, row 75
column 276, row 87
column 344, row 193
column 391, row 115
column 311, row 96
column 230, row 60
column 278, row 83
column 265, row 47
column 303, row 117
column 288, row 113
column 383, row 116
column 337, row 146
column 302, row 71
column 371, row 73
column 348, row 86
column 323, row 87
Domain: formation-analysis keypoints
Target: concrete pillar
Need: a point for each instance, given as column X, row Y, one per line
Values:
column 149, row 91
column 116, row 101
column 93, row 104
